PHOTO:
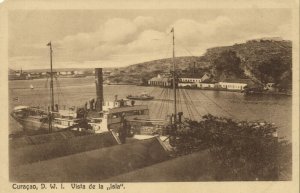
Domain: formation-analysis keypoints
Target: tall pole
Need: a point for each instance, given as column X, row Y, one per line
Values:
column 51, row 89
column 51, row 79
column 174, row 81
column 99, row 88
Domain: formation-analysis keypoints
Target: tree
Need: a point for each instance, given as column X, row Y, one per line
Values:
column 242, row 150
column 228, row 62
column 272, row 69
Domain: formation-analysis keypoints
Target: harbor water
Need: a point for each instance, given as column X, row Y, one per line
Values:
column 71, row 92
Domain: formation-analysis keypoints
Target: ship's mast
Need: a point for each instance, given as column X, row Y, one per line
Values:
column 51, row 88
column 51, row 78
column 174, row 81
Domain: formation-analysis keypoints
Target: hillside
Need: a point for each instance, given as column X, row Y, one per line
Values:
column 258, row 58
column 136, row 73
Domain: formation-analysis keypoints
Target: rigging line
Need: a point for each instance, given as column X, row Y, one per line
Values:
column 57, row 90
column 162, row 92
column 186, row 105
column 180, row 98
column 189, row 103
column 161, row 105
column 198, row 97
column 180, row 43
column 46, row 87
column 49, row 98
column 218, row 105
column 151, row 93
column 169, row 44
column 62, row 94
column 165, row 100
column 192, row 107
column 169, row 101
column 193, row 104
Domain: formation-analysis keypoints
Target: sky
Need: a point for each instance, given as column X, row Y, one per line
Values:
column 117, row 38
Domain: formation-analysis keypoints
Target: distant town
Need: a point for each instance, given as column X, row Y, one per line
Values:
column 61, row 73
column 188, row 80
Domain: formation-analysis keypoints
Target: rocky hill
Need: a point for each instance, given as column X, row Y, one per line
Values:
column 138, row 73
column 263, row 60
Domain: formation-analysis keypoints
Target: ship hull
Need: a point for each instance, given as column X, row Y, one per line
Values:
column 34, row 125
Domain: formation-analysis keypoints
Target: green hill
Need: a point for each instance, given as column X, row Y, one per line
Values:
column 262, row 60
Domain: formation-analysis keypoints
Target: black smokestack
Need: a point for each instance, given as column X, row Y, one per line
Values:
column 99, row 88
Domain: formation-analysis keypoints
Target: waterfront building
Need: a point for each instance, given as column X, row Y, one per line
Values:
column 233, row 84
column 160, row 80
column 206, row 84
column 187, row 84
column 194, row 78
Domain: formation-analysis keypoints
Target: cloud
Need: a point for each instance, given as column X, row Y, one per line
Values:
column 143, row 21
column 123, row 41
column 117, row 30
column 148, row 40
column 116, row 36
column 193, row 34
column 136, row 38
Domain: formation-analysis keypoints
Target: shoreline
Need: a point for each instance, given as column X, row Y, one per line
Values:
column 226, row 90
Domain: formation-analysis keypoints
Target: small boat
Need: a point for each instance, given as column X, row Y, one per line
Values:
column 143, row 96
column 31, row 86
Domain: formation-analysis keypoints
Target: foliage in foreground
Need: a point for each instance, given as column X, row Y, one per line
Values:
column 241, row 150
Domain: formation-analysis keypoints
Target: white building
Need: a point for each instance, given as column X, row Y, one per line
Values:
column 205, row 85
column 160, row 81
column 238, row 84
column 187, row 84
column 194, row 78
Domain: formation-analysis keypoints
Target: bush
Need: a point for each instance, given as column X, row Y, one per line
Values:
column 241, row 150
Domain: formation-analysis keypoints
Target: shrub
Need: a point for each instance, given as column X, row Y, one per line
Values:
column 241, row 150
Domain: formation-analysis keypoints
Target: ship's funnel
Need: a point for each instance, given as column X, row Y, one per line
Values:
column 99, row 88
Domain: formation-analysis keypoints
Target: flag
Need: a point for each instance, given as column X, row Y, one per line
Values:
column 49, row 44
column 172, row 30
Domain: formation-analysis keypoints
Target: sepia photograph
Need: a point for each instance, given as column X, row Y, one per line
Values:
column 118, row 95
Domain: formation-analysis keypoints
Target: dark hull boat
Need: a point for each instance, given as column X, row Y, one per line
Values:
column 143, row 97
column 35, row 120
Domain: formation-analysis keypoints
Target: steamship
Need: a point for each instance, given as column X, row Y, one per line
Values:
column 101, row 116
